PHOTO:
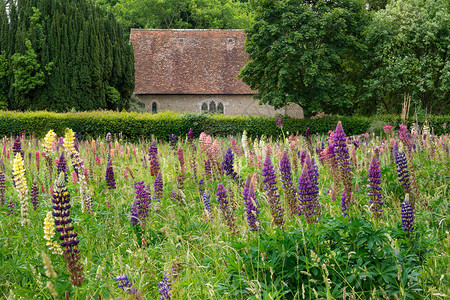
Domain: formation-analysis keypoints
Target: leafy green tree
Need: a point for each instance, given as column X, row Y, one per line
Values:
column 63, row 55
column 409, row 56
column 200, row 14
column 305, row 52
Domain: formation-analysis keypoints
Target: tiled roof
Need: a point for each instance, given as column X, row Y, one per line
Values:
column 183, row 61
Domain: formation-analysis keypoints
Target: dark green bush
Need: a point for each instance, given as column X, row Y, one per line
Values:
column 135, row 125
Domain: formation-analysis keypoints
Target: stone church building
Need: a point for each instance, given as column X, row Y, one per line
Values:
column 195, row 70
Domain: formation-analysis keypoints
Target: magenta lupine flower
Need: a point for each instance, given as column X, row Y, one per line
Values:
column 405, row 136
column 374, row 186
column 279, row 124
column 2, row 189
column 164, row 290
column 407, row 216
column 387, row 129
column 181, row 158
column 62, row 166
column 270, row 187
column 110, row 181
column 402, row 170
column 34, row 195
column 288, row 186
column 251, row 206
column 142, row 200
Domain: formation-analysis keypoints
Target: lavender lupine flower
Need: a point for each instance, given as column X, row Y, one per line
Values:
column 201, row 188
column 110, row 181
column 288, row 186
column 270, row 187
column 125, row 284
column 2, row 189
column 227, row 164
column 164, row 290
column 402, row 170
column 207, row 213
column 225, row 208
column 17, row 148
column 407, row 215
column 251, row 206
column 344, row 204
column 61, row 212
column 141, row 200
column 62, row 166
column 34, row 195
column 343, row 159
column 374, row 186
column 302, row 158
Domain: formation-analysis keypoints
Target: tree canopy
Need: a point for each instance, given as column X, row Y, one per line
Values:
column 305, row 52
column 62, row 55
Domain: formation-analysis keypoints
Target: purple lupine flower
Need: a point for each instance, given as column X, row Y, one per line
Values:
column 208, row 171
column 402, row 170
column 270, row 187
column 207, row 213
column 141, row 200
column 158, row 187
column 405, row 136
column 164, row 290
column 62, row 166
column 61, row 212
column 227, row 164
column 407, row 215
column 190, row 136
column 75, row 141
column 201, row 188
column 2, row 189
column 125, row 284
column 302, row 158
column 173, row 139
column 308, row 194
column 153, row 158
column 343, row 159
column 134, row 214
column 251, row 206
column 110, row 181
column 89, row 203
column 374, row 186
column 108, row 137
column 288, row 186
column 344, row 204
column 227, row 212
column 34, row 195
column 17, row 148
column 11, row 207
column 279, row 124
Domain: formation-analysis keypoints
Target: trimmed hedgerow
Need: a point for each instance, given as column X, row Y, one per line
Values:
column 136, row 125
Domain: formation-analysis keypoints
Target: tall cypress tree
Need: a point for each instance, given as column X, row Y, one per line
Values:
column 83, row 59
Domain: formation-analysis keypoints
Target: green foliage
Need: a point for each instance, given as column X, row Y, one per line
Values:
column 333, row 257
column 63, row 55
column 408, row 54
column 305, row 54
column 136, row 125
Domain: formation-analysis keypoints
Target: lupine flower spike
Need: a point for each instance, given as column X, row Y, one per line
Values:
column 21, row 186
column 407, row 215
column 164, row 288
column 374, row 186
column 124, row 283
column 251, row 206
column 270, row 187
column 207, row 213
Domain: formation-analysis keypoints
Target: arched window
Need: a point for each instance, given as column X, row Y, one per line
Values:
column 220, row 108
column 204, row 107
column 212, row 107
column 154, row 108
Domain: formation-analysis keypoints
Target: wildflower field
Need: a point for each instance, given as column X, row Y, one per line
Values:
column 300, row 216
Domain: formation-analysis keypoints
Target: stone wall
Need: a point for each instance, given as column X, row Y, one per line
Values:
column 232, row 105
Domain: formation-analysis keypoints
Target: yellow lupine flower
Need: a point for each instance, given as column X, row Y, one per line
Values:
column 68, row 141
column 49, row 233
column 21, row 186
column 48, row 142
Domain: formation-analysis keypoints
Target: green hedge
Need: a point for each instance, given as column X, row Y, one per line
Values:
column 135, row 125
